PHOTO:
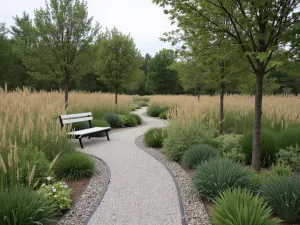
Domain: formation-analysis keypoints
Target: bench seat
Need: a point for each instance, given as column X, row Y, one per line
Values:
column 88, row 131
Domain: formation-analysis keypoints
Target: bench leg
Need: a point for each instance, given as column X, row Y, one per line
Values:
column 90, row 137
column 80, row 141
column 106, row 132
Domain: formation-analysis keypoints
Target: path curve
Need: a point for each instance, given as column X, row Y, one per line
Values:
column 141, row 190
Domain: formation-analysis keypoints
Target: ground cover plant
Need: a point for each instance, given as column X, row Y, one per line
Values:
column 154, row 137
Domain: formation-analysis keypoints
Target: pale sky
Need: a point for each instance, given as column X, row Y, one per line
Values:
column 144, row 20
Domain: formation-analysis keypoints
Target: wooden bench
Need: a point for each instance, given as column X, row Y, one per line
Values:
column 81, row 117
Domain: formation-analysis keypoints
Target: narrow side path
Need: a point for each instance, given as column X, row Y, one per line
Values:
column 141, row 190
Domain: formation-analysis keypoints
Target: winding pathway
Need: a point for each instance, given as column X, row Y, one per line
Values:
column 141, row 190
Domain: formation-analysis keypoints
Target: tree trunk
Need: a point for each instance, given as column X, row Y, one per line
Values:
column 116, row 96
column 198, row 95
column 66, row 95
column 257, row 122
column 221, row 118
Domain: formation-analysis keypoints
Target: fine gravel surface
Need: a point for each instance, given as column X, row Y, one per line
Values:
column 84, row 206
column 141, row 189
column 194, row 210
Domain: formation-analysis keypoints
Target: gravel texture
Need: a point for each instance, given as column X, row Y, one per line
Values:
column 194, row 210
column 85, row 205
column 141, row 190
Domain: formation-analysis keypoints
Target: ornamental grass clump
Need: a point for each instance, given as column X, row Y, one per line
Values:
column 241, row 207
column 282, row 193
column 74, row 166
column 23, row 206
column 197, row 154
column 154, row 137
column 218, row 174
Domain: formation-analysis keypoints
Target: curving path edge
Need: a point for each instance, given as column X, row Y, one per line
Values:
column 141, row 189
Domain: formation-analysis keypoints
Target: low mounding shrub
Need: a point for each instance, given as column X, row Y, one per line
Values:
column 229, row 142
column 30, row 157
column 133, row 107
column 283, row 195
column 143, row 99
column 181, row 136
column 217, row 174
column 113, row 119
column 73, row 166
column 198, row 154
column 128, row 120
column 141, row 103
column 281, row 169
column 235, row 156
column 163, row 115
column 59, row 193
column 241, row 207
column 290, row 156
column 138, row 119
column 154, row 110
column 154, row 137
column 23, row 206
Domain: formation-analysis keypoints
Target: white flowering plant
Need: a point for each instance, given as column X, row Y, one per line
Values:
column 58, row 192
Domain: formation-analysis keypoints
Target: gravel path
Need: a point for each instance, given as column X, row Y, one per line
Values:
column 141, row 190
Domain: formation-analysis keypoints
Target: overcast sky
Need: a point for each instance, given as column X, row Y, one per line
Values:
column 144, row 20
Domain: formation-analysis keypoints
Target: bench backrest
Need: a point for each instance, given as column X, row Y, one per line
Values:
column 75, row 118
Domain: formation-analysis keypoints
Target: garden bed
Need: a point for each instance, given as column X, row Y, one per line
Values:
column 86, row 195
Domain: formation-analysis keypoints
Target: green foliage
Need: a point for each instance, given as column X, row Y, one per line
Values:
column 30, row 157
column 113, row 119
column 44, row 42
column 281, row 169
column 117, row 59
column 283, row 195
column 290, row 156
column 138, row 119
column 74, row 166
column 141, row 103
column 154, row 110
column 133, row 107
column 23, row 206
column 128, row 120
column 241, row 207
column 181, row 136
column 59, row 193
column 229, row 146
column 163, row 115
column 197, row 154
column 271, row 141
column 161, row 78
column 218, row 174
column 141, row 99
column 154, row 137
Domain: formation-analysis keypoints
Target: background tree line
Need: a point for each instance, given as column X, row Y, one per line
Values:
column 60, row 49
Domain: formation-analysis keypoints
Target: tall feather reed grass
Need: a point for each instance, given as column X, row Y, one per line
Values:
column 28, row 117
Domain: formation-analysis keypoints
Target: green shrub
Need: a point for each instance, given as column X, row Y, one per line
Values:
column 23, row 206
column 163, row 115
column 73, row 166
column 229, row 142
column 154, row 137
column 30, row 157
column 123, row 119
column 290, row 156
column 181, row 136
column 241, row 207
column 141, row 103
column 198, row 154
column 131, row 121
column 138, row 119
column 133, row 107
column 59, row 193
column 236, row 156
column 281, row 169
column 113, row 119
column 258, row 178
column 269, row 147
column 143, row 99
column 217, row 174
column 283, row 195
column 154, row 110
